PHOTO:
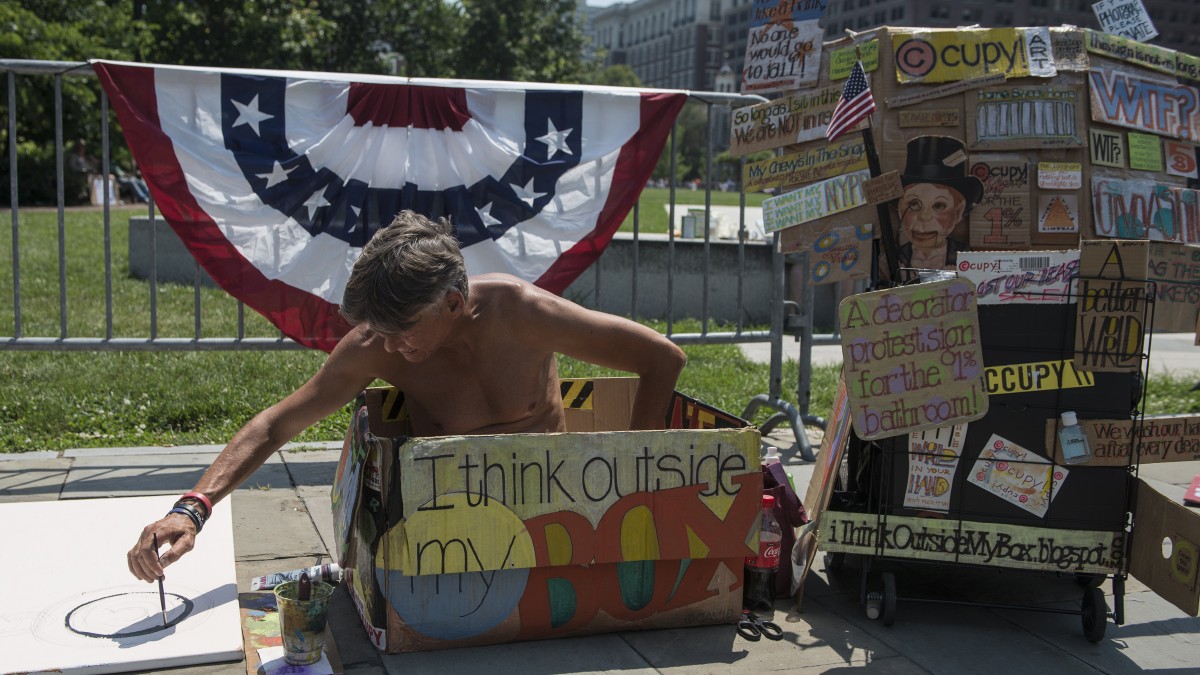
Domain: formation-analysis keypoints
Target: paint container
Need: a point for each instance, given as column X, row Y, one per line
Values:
column 329, row 572
column 302, row 623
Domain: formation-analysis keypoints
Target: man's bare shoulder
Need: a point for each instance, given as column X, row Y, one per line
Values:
column 508, row 293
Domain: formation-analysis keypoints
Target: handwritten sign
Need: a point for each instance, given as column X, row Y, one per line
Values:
column 1144, row 209
column 781, row 56
column 1019, row 476
column 1107, row 147
column 841, row 61
column 992, row 544
column 1060, row 175
column 1161, row 438
column 1125, row 49
column 1110, row 322
column 933, row 457
column 1127, row 18
column 1162, row 108
column 912, row 358
column 1058, row 214
column 949, row 56
column 815, row 201
column 1145, row 152
column 947, row 117
column 799, row 117
column 806, row 166
column 1175, row 271
column 944, row 90
column 1025, row 117
column 1181, row 158
column 1070, row 54
column 1032, row 277
column 836, row 253
column 885, row 188
column 1003, row 216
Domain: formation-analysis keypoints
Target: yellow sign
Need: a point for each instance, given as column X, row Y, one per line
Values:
column 949, row 56
column 841, row 61
column 1016, row 378
column 806, row 166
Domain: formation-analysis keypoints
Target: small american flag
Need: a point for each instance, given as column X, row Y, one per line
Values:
column 855, row 105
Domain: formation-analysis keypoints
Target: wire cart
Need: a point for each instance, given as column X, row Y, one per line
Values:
column 996, row 492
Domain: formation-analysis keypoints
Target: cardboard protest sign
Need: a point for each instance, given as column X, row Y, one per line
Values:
column 807, row 165
column 1003, row 216
column 1138, row 209
column 993, row 544
column 1059, row 175
column 912, row 358
column 1170, row 571
column 1058, row 214
column 1070, row 51
column 1175, row 269
column 1008, row 118
column 814, row 201
column 1017, row 475
column 885, row 188
column 951, row 56
column 1111, row 317
column 1107, row 147
column 841, row 61
column 1180, row 158
column 835, row 252
column 1127, row 18
column 1029, row 277
column 942, row 117
column 933, row 457
column 796, row 118
column 1154, row 106
column 1132, row 51
column 1160, row 438
column 782, row 55
column 1145, row 152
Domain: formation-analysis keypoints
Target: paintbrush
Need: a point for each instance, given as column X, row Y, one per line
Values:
column 162, row 595
column 304, row 588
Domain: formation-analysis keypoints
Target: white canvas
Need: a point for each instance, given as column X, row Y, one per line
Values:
column 67, row 578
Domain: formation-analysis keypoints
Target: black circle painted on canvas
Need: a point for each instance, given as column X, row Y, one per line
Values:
column 185, row 604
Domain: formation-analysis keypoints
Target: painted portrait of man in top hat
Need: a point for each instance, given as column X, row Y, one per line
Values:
column 938, row 193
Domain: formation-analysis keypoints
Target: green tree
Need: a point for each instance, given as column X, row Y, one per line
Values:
column 619, row 75
column 522, row 40
column 426, row 33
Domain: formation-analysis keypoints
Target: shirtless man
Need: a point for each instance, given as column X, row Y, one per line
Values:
column 475, row 358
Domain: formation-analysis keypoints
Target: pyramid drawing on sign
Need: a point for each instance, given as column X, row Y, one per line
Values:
column 1058, row 216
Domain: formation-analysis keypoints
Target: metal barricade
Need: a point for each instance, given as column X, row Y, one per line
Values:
column 715, row 104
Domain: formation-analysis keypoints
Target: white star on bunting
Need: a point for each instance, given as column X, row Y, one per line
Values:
column 527, row 193
column 248, row 113
column 555, row 140
column 485, row 214
column 316, row 201
column 278, row 174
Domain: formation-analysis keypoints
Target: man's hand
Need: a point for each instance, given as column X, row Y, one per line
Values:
column 175, row 529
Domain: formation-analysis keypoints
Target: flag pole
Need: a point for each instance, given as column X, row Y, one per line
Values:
column 887, row 234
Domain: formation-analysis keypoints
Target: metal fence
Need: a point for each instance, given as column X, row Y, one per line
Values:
column 786, row 316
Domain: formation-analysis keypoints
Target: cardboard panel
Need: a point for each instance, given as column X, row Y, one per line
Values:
column 1003, row 218
column 1151, row 105
column 806, row 165
column 972, row 542
column 1175, row 269
column 1173, row 576
column 912, row 358
column 1028, row 277
column 1013, row 117
column 1163, row 438
column 949, row 56
column 598, row 404
column 836, row 252
column 798, row 117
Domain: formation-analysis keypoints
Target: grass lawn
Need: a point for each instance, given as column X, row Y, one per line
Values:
column 652, row 206
column 60, row 400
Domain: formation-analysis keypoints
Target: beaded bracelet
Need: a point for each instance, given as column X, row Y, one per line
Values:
column 191, row 512
column 202, row 499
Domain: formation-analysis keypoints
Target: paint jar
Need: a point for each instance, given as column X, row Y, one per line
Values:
column 302, row 622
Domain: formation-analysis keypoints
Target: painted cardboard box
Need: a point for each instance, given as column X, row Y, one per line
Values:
column 469, row 540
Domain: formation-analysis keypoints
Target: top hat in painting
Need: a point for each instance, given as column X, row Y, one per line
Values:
column 942, row 160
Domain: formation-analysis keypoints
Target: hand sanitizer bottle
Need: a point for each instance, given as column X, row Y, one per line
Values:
column 1071, row 438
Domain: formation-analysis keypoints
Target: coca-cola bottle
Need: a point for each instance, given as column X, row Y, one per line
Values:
column 758, row 591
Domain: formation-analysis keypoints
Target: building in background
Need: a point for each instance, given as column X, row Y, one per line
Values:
column 684, row 44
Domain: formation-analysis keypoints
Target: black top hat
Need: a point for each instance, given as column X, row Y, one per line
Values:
column 926, row 163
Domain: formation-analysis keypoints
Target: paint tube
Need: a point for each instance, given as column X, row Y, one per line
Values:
column 329, row 573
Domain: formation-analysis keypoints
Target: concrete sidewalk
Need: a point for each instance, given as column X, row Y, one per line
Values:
column 282, row 521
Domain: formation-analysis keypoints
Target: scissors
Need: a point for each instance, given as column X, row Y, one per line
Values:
column 753, row 628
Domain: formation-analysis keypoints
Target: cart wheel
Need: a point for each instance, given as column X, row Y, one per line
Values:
column 1090, row 580
column 834, row 561
column 889, row 598
column 1095, row 615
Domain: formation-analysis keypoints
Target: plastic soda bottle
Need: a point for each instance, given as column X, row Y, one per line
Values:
column 758, row 591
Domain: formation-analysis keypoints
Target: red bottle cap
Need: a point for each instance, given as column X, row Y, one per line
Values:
column 768, row 501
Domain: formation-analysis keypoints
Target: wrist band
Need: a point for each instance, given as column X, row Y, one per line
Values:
column 191, row 512
column 203, row 499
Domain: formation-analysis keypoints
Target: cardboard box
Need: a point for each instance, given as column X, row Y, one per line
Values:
column 469, row 540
